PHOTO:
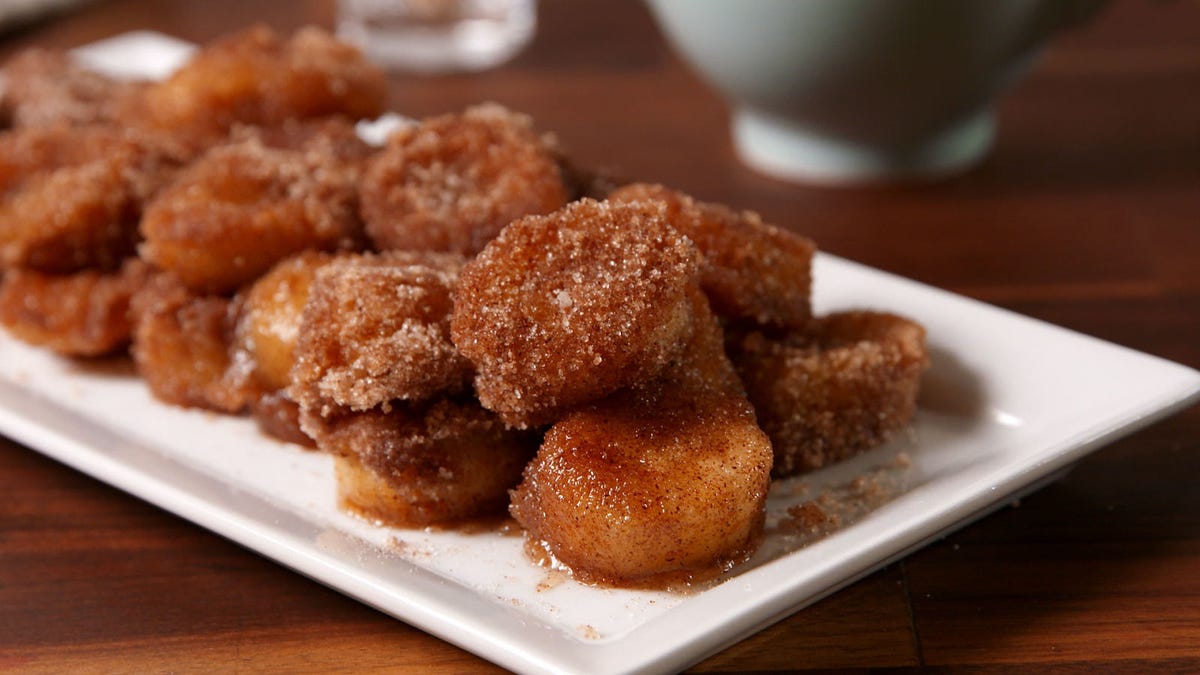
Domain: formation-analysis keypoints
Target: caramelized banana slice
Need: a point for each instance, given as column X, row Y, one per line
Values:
column 181, row 346
column 70, row 197
column 752, row 270
column 257, row 77
column 44, row 87
column 665, row 482
column 80, row 314
column 843, row 385
column 376, row 328
column 452, row 182
column 563, row 309
column 244, row 206
column 427, row 464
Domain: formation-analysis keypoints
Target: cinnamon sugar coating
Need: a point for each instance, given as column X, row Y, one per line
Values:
column 243, row 206
column 415, row 465
column 452, row 182
column 70, row 197
column 181, row 346
column 635, row 332
column 843, row 385
column 44, row 87
column 751, row 270
column 664, row 482
column 562, row 309
column 376, row 328
column 257, row 77
column 78, row 314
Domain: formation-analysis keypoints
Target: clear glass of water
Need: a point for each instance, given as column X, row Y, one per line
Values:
column 438, row 35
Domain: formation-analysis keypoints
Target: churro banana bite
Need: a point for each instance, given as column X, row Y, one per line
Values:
column 71, row 197
column 662, row 483
column 181, row 346
column 247, row 204
column 565, row 308
column 845, row 384
column 47, row 87
column 258, row 77
column 376, row 328
column 752, row 271
column 78, row 314
column 438, row 462
column 451, row 183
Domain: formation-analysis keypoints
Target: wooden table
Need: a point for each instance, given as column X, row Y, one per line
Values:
column 1087, row 214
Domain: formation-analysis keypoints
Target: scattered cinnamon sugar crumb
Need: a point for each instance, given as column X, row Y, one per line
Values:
column 842, row 505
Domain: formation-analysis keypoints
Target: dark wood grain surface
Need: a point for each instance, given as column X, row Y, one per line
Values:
column 1086, row 214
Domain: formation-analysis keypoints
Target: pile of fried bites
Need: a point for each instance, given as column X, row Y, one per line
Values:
column 464, row 319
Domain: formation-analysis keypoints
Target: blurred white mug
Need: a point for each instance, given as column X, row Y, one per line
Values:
column 862, row 90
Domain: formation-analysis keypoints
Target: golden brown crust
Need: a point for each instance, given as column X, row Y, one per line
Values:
column 79, row 314
column 181, row 346
column 412, row 466
column 662, row 483
column 751, row 270
column 563, row 309
column 268, row 323
column 278, row 416
column 70, row 197
column 246, row 205
column 843, row 385
column 257, row 77
column 452, row 182
column 376, row 328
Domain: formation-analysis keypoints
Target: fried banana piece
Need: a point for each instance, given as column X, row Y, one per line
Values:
column 264, row 343
column 257, row 77
column 661, row 484
column 844, row 385
column 751, row 270
column 435, row 463
column 244, row 206
column 70, row 197
column 79, row 314
column 45, row 87
column 376, row 328
column 566, row 308
column 181, row 346
column 268, row 322
column 452, row 182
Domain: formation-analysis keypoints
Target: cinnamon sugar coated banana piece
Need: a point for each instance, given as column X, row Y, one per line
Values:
column 375, row 329
column 843, row 385
column 78, row 314
column 451, row 183
column 434, row 463
column 752, row 270
column 247, row 204
column 259, row 77
column 663, row 483
column 565, row 308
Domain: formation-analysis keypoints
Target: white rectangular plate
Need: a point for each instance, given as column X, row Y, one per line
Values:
column 1008, row 404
